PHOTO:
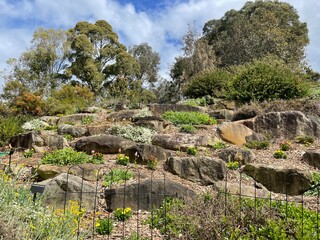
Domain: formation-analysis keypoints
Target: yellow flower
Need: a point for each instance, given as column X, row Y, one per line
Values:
column 97, row 224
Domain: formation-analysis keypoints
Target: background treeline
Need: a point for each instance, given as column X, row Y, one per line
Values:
column 254, row 54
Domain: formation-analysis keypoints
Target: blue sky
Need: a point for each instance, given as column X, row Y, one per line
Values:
column 159, row 23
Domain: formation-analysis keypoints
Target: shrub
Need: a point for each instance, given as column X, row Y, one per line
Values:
column 11, row 126
column 87, row 120
column 104, row 226
column 192, row 150
column 34, row 124
column 219, row 145
column 267, row 79
column 117, row 176
column 122, row 159
column 304, row 139
column 28, row 153
column 280, row 154
column 122, row 214
column 192, row 118
column 68, row 136
column 285, row 146
column 29, row 103
column 67, row 156
column 254, row 144
column 134, row 133
column 152, row 163
column 188, row 128
column 233, row 165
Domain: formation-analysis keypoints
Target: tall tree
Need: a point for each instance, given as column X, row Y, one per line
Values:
column 97, row 58
column 258, row 29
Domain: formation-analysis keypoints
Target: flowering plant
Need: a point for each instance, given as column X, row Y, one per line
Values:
column 122, row 159
column 104, row 226
column 152, row 163
column 122, row 214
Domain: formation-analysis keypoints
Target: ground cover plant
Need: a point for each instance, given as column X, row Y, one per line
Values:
column 134, row 133
column 191, row 118
column 117, row 176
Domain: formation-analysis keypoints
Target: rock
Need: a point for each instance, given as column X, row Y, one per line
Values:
column 97, row 129
column 286, row 125
column 243, row 156
column 77, row 118
column 75, row 131
column 279, row 180
column 53, row 140
column 152, row 122
column 146, row 194
column 27, row 140
column 123, row 115
column 103, row 143
column 142, row 152
column 64, row 188
column 180, row 141
column 223, row 114
column 159, row 109
column 234, row 133
column 92, row 109
column 51, row 120
column 204, row 170
column 312, row 157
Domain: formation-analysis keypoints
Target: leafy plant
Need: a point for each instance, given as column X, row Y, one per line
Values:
column 104, row 226
column 285, row 145
column 87, row 120
column 192, row 150
column 152, row 163
column 96, row 156
column 68, row 136
column 219, row 145
column 122, row 214
column 192, row 118
column 117, row 176
column 134, row 133
column 28, row 153
column 304, row 139
column 314, row 191
column 11, row 126
column 34, row 124
column 187, row 128
column 195, row 102
column 280, row 154
column 254, row 144
column 122, row 159
column 53, row 127
column 233, row 165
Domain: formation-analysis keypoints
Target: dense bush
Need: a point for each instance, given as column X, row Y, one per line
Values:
column 29, row 103
column 267, row 79
column 192, row 118
column 213, row 83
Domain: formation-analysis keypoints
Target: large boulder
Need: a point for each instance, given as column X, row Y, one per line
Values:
column 146, row 194
column 312, row 157
column 142, row 152
column 243, row 156
column 123, row 115
column 159, row 109
column 103, row 143
column 53, row 140
column 51, row 120
column 234, row 133
column 180, row 141
column 203, row 170
column 243, row 190
column 152, row 122
column 286, row 125
column 74, row 131
column 289, row 181
column 60, row 190
column 77, row 118
column 97, row 129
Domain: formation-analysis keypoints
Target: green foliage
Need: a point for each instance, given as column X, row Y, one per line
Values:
column 304, row 139
column 314, row 191
column 104, row 226
column 98, row 157
column 267, row 79
column 68, row 136
column 34, row 124
column 134, row 133
column 192, row 118
column 187, row 128
column 53, row 127
column 195, row 102
column 192, row 150
column 122, row 159
column 152, row 163
column 117, row 176
column 233, row 165
column 219, row 145
column 87, row 120
column 9, row 127
column 28, row 153
column 214, row 83
column 122, row 214
column 280, row 154
column 254, row 144
column 67, row 156
column 285, row 146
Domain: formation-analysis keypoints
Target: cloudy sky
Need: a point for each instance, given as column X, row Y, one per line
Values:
column 160, row 23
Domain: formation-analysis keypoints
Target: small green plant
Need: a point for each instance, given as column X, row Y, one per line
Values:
column 192, row 118
column 152, row 163
column 285, row 145
column 28, row 153
column 34, row 124
column 117, row 176
column 254, row 144
column 187, row 128
column 192, row 150
column 53, row 127
column 87, row 120
column 280, row 154
column 96, row 156
column 233, row 165
column 219, row 145
column 304, row 139
column 104, row 226
column 69, row 137
column 135, row 236
column 314, row 188
column 122, row 159
column 122, row 214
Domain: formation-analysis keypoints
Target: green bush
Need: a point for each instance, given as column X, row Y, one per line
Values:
column 192, row 150
column 192, row 118
column 219, row 145
column 122, row 159
column 134, row 133
column 233, row 165
column 117, row 176
column 188, row 129
column 267, row 79
column 304, row 139
column 104, row 226
column 280, row 154
column 254, row 144
column 213, row 83
column 67, row 156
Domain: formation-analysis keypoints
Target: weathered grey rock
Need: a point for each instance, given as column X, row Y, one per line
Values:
column 75, row 131
column 204, row 170
column 123, row 115
column 152, row 122
column 146, row 194
column 223, row 114
column 77, row 118
column 180, row 141
column 97, row 129
column 286, row 125
column 142, row 152
column 280, row 180
column 92, row 109
column 54, row 140
column 103, row 143
column 234, row 133
column 312, row 157
column 27, row 140
column 243, row 156
column 159, row 109
column 51, row 120
column 66, row 187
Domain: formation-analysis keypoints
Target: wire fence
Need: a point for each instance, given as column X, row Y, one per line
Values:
column 143, row 197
